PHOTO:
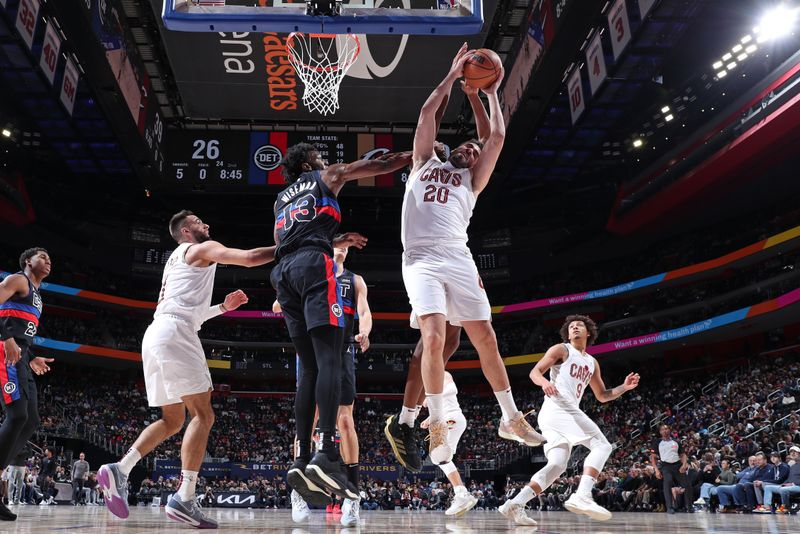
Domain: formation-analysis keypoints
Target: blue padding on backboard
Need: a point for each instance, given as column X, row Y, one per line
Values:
column 293, row 22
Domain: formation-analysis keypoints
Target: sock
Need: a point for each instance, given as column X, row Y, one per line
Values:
column 407, row 416
column 352, row 474
column 435, row 406
column 524, row 495
column 188, row 484
column 327, row 444
column 130, row 459
column 585, row 485
column 416, row 411
column 507, row 404
column 459, row 490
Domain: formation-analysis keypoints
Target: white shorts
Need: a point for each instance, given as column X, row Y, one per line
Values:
column 174, row 362
column 564, row 424
column 444, row 280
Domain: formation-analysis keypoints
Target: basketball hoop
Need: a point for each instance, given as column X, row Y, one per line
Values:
column 321, row 61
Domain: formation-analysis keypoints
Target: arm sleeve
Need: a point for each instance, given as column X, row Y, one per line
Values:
column 212, row 312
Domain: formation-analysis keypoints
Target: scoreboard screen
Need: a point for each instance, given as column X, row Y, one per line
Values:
column 224, row 159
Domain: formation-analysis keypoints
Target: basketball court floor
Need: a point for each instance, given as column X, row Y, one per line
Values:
column 37, row 520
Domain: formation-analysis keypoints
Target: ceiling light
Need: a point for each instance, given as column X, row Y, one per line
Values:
column 750, row 49
column 726, row 57
column 736, row 48
column 717, row 65
column 6, row 132
column 777, row 22
column 637, row 143
column 741, row 57
column 665, row 109
column 731, row 65
column 722, row 74
column 746, row 39
column 669, row 117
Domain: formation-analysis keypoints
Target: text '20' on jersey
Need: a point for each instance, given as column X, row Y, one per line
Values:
column 306, row 215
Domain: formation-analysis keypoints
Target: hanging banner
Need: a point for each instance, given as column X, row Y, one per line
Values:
column 69, row 86
column 596, row 63
column 50, row 50
column 27, row 16
column 645, row 6
column 575, row 92
column 620, row 27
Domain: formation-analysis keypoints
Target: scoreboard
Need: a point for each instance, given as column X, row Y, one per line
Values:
column 226, row 159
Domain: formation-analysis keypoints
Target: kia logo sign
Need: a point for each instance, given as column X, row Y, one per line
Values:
column 267, row 158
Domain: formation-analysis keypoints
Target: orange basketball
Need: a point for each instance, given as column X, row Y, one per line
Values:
column 482, row 68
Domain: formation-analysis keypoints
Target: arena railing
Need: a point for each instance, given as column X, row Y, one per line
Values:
column 717, row 427
column 710, row 386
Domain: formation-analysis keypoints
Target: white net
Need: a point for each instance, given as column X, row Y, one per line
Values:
column 321, row 61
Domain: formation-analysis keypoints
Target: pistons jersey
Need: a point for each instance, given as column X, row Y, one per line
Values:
column 347, row 290
column 306, row 215
column 437, row 205
column 572, row 376
column 19, row 316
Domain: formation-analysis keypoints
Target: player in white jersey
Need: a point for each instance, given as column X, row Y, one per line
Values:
column 439, row 273
column 175, row 369
column 564, row 424
column 456, row 425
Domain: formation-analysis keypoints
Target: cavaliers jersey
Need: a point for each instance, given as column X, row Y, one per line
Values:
column 571, row 377
column 19, row 316
column 347, row 290
column 437, row 205
column 306, row 215
column 185, row 289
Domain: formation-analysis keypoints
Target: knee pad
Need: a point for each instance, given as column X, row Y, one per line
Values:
column 600, row 450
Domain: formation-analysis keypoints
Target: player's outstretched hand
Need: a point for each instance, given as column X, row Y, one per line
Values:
column 550, row 390
column 234, row 300
column 457, row 67
column 39, row 365
column 351, row 239
column 492, row 89
column 631, row 381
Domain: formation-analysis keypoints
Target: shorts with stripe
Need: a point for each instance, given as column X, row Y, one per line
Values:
column 16, row 381
column 308, row 290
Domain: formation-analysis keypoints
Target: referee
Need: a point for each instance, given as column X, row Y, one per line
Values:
column 672, row 467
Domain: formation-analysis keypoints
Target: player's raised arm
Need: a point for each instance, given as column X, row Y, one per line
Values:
column 553, row 356
column 483, row 169
column 425, row 134
column 216, row 252
column 482, row 124
column 336, row 175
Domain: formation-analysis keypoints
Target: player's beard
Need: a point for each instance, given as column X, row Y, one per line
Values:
column 200, row 237
column 459, row 160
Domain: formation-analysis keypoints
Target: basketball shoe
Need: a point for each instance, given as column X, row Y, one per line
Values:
column 299, row 508
column 584, row 504
column 327, row 473
column 516, row 513
column 462, row 503
column 518, row 429
column 115, row 489
column 307, row 490
column 403, row 440
column 189, row 513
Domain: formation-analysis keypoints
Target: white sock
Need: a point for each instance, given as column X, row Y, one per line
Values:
column 524, row 495
column 186, row 492
column 507, row 404
column 586, row 484
column 416, row 411
column 435, row 406
column 130, row 459
column 407, row 416
column 460, row 490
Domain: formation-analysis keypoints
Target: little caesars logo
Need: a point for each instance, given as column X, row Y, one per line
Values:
column 336, row 309
column 10, row 387
column 267, row 158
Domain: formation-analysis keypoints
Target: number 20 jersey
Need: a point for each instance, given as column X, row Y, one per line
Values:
column 306, row 215
column 437, row 205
